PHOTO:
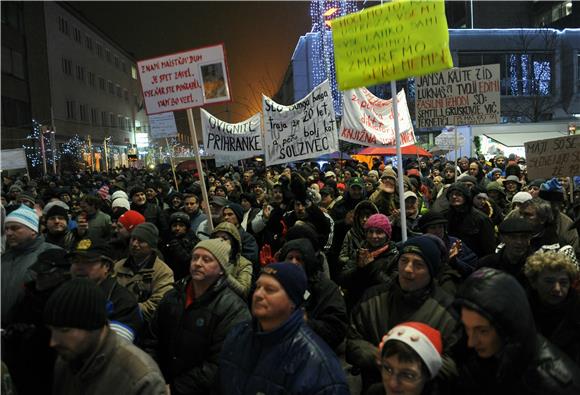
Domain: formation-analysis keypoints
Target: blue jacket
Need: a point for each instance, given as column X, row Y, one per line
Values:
column 289, row 360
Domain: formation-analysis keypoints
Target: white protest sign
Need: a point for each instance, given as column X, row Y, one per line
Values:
column 459, row 96
column 11, row 159
column 304, row 130
column 184, row 80
column 232, row 141
column 446, row 140
column 162, row 125
column 368, row 120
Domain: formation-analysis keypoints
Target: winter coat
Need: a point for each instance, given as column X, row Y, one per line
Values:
column 527, row 362
column 177, row 253
column 122, row 309
column 355, row 237
column 116, row 367
column 148, row 283
column 187, row 335
column 99, row 226
column 387, row 305
column 473, row 227
column 14, row 272
column 155, row 215
column 66, row 240
column 499, row 260
column 197, row 219
column 291, row 359
column 384, row 201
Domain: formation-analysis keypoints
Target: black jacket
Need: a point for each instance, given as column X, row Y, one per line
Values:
column 187, row 340
column 155, row 215
column 473, row 227
column 122, row 309
column 527, row 362
column 177, row 253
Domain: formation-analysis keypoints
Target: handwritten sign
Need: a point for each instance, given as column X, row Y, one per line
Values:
column 162, row 125
column 368, row 120
column 460, row 96
column 234, row 141
column 446, row 139
column 13, row 159
column 306, row 129
column 559, row 157
column 390, row 42
column 184, row 80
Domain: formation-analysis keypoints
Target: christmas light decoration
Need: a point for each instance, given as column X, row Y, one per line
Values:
column 33, row 147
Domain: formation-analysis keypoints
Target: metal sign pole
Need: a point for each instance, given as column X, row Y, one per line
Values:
column 402, row 211
column 172, row 164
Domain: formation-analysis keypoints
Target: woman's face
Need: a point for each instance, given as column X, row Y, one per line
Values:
column 402, row 378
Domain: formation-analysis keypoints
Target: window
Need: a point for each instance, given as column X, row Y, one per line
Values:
column 15, row 112
column 119, row 91
column 113, row 119
column 83, row 111
column 77, row 35
column 12, row 62
column 80, row 73
column 94, row 116
column 124, row 67
column 99, row 50
column 70, row 109
column 111, row 87
column 103, row 118
column 12, row 15
column 89, row 43
column 127, row 123
column 120, row 122
column 117, row 63
column 108, row 55
column 126, row 94
column 101, row 83
column 133, row 72
column 67, row 66
column 63, row 25
column 91, row 77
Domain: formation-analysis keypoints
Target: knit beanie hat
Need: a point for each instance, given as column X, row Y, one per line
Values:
column 146, row 232
column 57, row 210
column 552, row 191
column 292, row 278
column 389, row 173
column 427, row 249
column 78, row 303
column 131, row 219
column 521, row 197
column 27, row 197
column 460, row 187
column 119, row 194
column 180, row 217
column 237, row 209
column 379, row 221
column 24, row 215
column 373, row 173
column 121, row 202
column 50, row 205
column 423, row 339
column 136, row 189
column 219, row 248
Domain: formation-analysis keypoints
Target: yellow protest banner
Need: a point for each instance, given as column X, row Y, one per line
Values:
column 390, row 42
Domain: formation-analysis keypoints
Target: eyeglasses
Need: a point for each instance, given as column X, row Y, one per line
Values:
column 405, row 377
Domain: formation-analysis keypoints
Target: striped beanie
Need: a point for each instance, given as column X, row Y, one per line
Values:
column 25, row 216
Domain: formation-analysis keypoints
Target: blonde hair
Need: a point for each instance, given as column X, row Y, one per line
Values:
column 553, row 261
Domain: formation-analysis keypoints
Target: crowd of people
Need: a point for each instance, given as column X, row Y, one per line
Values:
column 293, row 280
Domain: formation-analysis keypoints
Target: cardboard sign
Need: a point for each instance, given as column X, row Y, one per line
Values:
column 368, row 120
column 12, row 159
column 304, row 130
column 460, row 96
column 232, row 141
column 559, row 157
column 446, row 139
column 390, row 42
column 184, row 80
column 162, row 125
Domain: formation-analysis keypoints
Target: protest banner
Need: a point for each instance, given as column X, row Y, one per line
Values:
column 13, row 159
column 559, row 157
column 184, row 80
column 230, row 142
column 304, row 130
column 162, row 125
column 368, row 120
column 390, row 42
column 460, row 96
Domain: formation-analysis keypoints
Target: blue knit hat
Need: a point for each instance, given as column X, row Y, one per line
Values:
column 24, row 215
column 292, row 278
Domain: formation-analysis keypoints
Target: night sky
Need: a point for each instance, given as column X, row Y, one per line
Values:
column 259, row 38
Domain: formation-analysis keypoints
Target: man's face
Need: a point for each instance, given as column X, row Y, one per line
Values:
column 139, row 249
column 473, row 169
column 18, row 234
column 120, row 231
column 389, row 184
column 481, row 335
column 72, row 344
column 436, row 230
column 246, row 205
column 376, row 237
column 270, row 301
column 90, row 210
column 204, row 267
column 372, row 178
column 479, row 201
column 411, row 206
column 247, row 177
column 92, row 268
column 176, row 201
column 356, row 192
column 230, row 216
column 191, row 205
column 295, row 257
column 326, row 200
column 65, row 198
column 552, row 286
column 449, row 174
column 517, row 244
column 413, row 272
column 300, row 210
column 229, row 186
column 534, row 191
column 510, row 186
column 496, row 176
column 56, row 224
column 277, row 195
column 178, row 229
column 456, row 198
column 150, row 193
column 139, row 198
column 500, row 162
column 463, row 164
column 531, row 215
column 402, row 377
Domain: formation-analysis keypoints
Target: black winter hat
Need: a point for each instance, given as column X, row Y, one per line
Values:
column 57, row 210
column 431, row 218
column 237, row 209
column 292, row 278
column 49, row 260
column 460, row 187
column 136, row 189
column 180, row 217
column 428, row 249
column 78, row 303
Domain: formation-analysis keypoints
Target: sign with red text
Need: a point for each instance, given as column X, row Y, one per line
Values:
column 304, row 130
column 390, row 42
column 459, row 96
column 559, row 157
column 184, row 80
column 231, row 141
column 368, row 120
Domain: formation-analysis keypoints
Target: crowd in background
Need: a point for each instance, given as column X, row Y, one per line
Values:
column 120, row 282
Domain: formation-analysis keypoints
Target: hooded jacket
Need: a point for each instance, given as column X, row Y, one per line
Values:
column 527, row 362
column 355, row 237
column 325, row 307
